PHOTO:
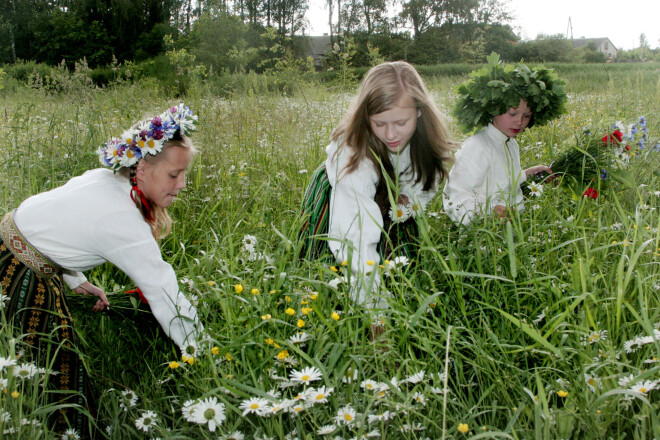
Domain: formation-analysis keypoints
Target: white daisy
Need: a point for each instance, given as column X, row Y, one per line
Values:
column 369, row 384
column 399, row 214
column 326, row 430
column 236, row 435
column 625, row 380
column 419, row 398
column 147, row 421
column 70, row 434
column 374, row 433
column 415, row 378
column 645, row 387
column 592, row 382
column 5, row 416
column 130, row 400
column 300, row 338
column 536, row 189
column 345, row 416
column 307, row 375
column 298, row 407
column 319, row 395
column 6, row 362
column 210, row 411
column 188, row 410
column 350, row 376
column 254, row 405
column 25, row 371
column 382, row 417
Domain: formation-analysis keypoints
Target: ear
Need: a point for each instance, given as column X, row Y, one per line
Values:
column 140, row 169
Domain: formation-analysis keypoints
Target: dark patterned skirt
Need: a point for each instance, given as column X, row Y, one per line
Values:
column 38, row 311
column 400, row 240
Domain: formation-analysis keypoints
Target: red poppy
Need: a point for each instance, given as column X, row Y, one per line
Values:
column 140, row 295
column 591, row 193
column 614, row 138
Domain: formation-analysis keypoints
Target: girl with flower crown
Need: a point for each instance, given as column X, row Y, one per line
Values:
column 101, row 216
column 504, row 100
column 384, row 164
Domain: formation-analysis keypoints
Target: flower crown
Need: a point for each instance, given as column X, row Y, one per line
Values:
column 492, row 90
column 147, row 137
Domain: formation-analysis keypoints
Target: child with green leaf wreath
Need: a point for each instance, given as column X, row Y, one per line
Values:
column 504, row 100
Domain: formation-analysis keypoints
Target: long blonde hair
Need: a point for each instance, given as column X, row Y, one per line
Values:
column 160, row 221
column 430, row 145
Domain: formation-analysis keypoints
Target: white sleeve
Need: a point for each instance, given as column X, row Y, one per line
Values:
column 462, row 197
column 355, row 226
column 141, row 259
column 73, row 279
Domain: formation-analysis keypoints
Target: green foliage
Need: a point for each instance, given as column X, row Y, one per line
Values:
column 492, row 90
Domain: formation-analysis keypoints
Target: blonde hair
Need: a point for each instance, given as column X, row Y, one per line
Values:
column 160, row 222
column 430, row 145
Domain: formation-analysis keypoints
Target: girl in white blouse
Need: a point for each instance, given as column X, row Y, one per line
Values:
column 486, row 177
column 384, row 164
column 52, row 237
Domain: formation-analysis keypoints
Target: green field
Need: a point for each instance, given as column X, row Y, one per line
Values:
column 550, row 322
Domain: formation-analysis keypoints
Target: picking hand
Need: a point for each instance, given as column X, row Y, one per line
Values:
column 87, row 288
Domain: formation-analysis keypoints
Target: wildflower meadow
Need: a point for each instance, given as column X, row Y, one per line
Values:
column 543, row 327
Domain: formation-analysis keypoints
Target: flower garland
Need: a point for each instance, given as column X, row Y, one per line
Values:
column 492, row 90
column 147, row 137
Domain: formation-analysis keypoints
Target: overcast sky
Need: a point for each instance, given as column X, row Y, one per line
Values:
column 621, row 21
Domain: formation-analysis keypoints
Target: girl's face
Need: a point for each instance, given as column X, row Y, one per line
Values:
column 395, row 127
column 161, row 181
column 514, row 121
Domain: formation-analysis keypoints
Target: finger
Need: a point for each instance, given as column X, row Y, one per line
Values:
column 103, row 299
column 98, row 306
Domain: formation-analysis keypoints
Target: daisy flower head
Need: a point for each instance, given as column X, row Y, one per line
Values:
column 318, row 395
column 70, row 434
column 306, row 375
column 415, row 378
column 210, row 411
column 536, row 189
column 188, row 410
column 399, row 214
column 645, row 387
column 147, row 421
column 419, row 398
column 25, row 371
column 594, row 337
column 326, row 430
column 6, row 362
column 3, row 299
column 236, row 435
column 5, row 416
column 254, row 405
column 297, row 408
column 345, row 416
column 350, row 376
column 129, row 400
column 370, row 385
column 592, row 382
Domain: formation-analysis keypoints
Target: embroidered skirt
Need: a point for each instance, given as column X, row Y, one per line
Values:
column 41, row 318
column 400, row 240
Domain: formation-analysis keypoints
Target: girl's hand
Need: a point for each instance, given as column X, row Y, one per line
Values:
column 500, row 211
column 87, row 288
column 530, row 172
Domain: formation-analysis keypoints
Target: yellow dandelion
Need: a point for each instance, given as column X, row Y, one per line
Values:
column 266, row 316
column 370, row 262
column 270, row 341
column 287, row 298
column 215, row 350
column 300, row 323
column 314, row 296
column 334, row 269
column 15, row 394
column 306, row 310
column 190, row 360
column 289, row 311
column 562, row 393
column 463, row 428
column 344, row 263
column 174, row 365
column 273, row 291
column 255, row 291
column 238, row 288
column 335, row 316
column 229, row 357
column 211, row 283
column 283, row 355
column 304, row 302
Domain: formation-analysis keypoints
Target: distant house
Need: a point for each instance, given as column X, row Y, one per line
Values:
column 317, row 48
column 603, row 45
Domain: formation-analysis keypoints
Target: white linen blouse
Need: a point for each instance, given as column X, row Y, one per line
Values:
column 356, row 222
column 91, row 220
column 486, row 173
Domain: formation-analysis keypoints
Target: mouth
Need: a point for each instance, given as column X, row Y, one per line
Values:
column 393, row 144
column 515, row 130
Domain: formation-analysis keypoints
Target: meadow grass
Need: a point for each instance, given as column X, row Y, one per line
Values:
column 550, row 321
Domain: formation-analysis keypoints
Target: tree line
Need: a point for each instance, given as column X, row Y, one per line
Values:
column 230, row 35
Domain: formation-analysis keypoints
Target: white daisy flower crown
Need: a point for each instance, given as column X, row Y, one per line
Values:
column 147, row 137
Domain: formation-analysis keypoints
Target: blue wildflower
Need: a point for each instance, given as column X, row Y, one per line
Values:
column 603, row 174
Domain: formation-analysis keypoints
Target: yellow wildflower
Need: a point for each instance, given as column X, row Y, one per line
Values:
column 306, row 310
column 562, row 393
column 238, row 288
column 174, row 365
column 215, row 350
column 283, row 355
column 266, row 316
column 289, row 311
column 300, row 323
column 335, row 316
column 463, row 428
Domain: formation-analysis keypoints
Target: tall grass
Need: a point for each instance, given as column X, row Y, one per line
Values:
column 543, row 317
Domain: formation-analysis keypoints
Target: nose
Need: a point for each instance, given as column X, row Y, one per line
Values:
column 181, row 181
column 390, row 131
